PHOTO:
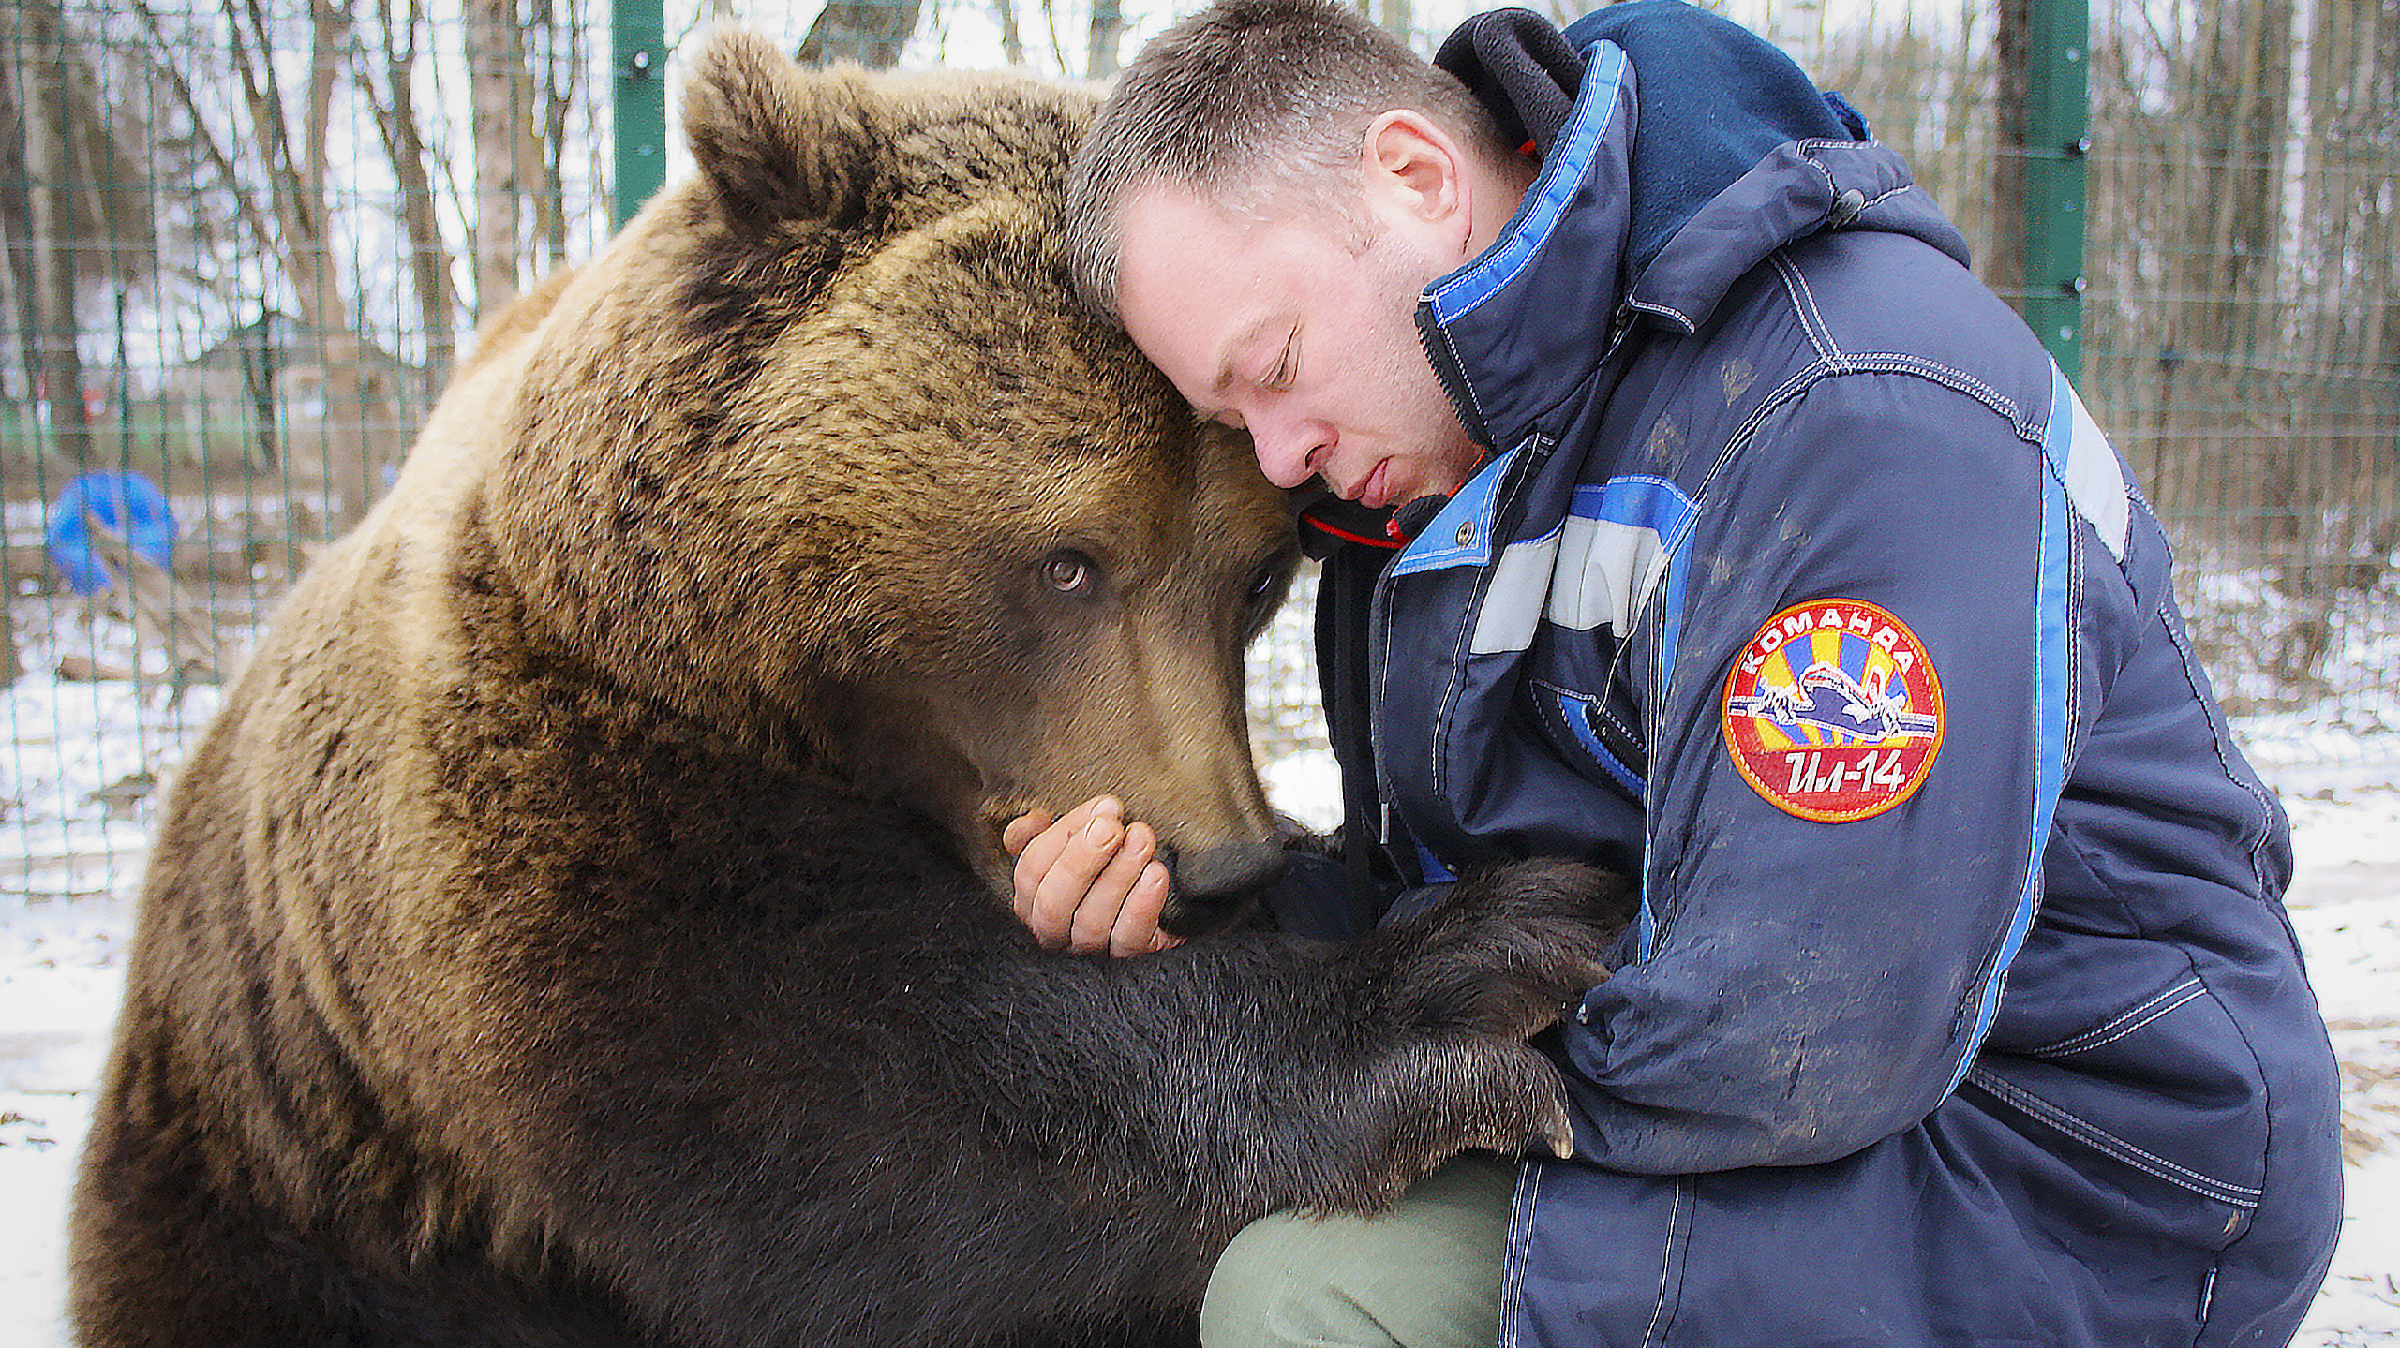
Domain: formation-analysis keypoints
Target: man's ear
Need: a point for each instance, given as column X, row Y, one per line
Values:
column 1412, row 166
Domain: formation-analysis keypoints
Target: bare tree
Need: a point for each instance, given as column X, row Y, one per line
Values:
column 1012, row 38
column 500, row 90
column 41, row 213
column 563, row 54
column 1105, row 39
column 18, row 235
column 12, row 667
column 2339, row 450
column 296, row 169
column 387, row 76
column 1926, row 89
column 2012, row 51
column 2245, row 237
column 869, row 32
column 69, row 163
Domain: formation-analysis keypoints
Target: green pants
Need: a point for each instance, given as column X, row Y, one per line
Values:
column 1424, row 1275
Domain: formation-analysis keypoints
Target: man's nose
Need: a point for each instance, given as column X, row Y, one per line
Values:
column 1287, row 448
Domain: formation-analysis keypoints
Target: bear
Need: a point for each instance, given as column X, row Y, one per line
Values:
column 586, row 922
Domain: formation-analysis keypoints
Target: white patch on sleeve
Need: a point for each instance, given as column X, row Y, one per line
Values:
column 1589, row 574
column 2094, row 478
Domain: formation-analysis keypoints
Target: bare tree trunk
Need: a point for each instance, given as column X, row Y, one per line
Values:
column 869, row 32
column 561, row 86
column 17, row 234
column 496, row 83
column 58, row 301
column 1106, row 37
column 2246, row 238
column 2344, row 311
column 352, row 406
column 260, row 362
column 11, row 666
column 303, row 217
column 2206, row 118
column 404, row 142
column 46, row 175
column 1963, row 113
column 1012, row 40
column 2012, row 54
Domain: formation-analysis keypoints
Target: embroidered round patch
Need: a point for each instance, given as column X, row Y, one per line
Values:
column 1833, row 711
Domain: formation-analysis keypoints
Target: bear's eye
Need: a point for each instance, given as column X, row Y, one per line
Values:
column 1262, row 585
column 1070, row 573
column 1266, row 590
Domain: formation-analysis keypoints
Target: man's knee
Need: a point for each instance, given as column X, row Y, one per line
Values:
column 1425, row 1275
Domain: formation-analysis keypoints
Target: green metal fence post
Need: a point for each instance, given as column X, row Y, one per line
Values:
column 2057, row 127
column 638, row 48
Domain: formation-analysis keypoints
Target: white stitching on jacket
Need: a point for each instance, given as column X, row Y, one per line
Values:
column 1812, row 322
column 2123, row 1024
column 1520, row 1240
column 1666, row 1263
column 2100, row 1139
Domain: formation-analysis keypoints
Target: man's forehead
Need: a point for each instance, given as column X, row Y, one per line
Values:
column 1162, row 208
column 1186, row 287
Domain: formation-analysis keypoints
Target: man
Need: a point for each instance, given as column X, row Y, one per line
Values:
column 1742, row 540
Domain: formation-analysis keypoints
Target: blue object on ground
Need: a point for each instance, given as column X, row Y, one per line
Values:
column 124, row 503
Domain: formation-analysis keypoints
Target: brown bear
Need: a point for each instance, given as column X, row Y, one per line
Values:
column 586, row 923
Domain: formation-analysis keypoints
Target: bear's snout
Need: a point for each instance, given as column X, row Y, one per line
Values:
column 1214, row 885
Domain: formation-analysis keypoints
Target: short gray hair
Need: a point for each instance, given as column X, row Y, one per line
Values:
column 1248, row 103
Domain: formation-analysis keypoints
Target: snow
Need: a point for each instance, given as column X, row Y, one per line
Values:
column 77, row 799
column 61, row 970
column 2346, row 908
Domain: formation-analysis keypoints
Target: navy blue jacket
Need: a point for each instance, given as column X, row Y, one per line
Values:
column 1962, row 1007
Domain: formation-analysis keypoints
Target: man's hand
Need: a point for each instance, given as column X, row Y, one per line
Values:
column 1090, row 881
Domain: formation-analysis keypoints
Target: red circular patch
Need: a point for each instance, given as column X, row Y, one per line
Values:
column 1833, row 711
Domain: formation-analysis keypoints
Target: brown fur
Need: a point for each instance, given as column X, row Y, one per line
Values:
column 582, row 924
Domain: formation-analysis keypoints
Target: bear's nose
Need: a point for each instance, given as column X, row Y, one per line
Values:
column 1214, row 884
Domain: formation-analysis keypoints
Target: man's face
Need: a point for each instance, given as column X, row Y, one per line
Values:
column 1291, row 330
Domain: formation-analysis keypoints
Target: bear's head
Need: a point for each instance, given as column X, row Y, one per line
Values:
column 822, row 452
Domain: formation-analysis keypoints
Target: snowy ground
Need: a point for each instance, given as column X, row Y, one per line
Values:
column 75, row 803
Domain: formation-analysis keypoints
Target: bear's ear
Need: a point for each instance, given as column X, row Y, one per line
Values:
column 776, row 142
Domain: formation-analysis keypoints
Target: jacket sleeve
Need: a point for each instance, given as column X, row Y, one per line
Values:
column 1825, row 926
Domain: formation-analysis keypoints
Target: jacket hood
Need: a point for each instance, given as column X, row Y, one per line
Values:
column 1729, row 95
column 1679, row 150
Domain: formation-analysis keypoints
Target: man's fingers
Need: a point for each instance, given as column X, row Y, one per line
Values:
column 1088, row 881
column 1102, row 907
column 1038, row 855
column 1024, row 829
column 1084, row 853
column 1136, row 931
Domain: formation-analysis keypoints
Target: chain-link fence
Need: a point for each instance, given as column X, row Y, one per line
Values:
column 2245, row 323
column 246, row 242
column 245, row 245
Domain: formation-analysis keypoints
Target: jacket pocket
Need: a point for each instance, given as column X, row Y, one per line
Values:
column 1598, row 743
column 2160, row 1101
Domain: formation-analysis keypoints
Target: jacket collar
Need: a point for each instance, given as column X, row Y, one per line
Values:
column 1493, row 328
